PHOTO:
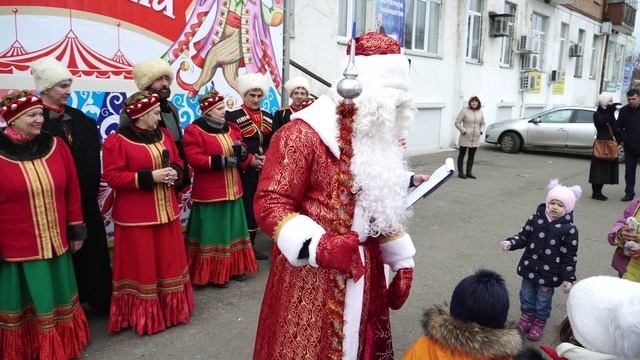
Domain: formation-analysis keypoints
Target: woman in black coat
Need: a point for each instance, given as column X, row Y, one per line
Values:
column 603, row 171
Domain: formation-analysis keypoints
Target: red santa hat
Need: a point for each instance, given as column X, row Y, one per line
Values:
column 17, row 107
column 380, row 63
column 142, row 106
column 208, row 102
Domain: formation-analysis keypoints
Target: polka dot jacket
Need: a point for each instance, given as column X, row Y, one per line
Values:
column 550, row 249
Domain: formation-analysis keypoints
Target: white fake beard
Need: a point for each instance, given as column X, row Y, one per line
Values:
column 381, row 175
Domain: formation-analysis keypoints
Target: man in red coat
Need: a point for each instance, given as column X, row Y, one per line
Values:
column 332, row 194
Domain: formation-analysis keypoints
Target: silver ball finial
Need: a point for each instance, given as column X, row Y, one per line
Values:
column 349, row 87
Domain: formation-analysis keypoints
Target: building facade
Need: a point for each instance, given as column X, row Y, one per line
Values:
column 519, row 57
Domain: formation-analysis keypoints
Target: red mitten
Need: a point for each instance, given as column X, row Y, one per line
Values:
column 399, row 288
column 339, row 252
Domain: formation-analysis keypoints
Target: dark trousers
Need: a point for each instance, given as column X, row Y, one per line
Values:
column 461, row 154
column 630, row 164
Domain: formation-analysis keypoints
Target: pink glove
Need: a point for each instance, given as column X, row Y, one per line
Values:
column 506, row 245
column 340, row 252
column 566, row 286
column 399, row 288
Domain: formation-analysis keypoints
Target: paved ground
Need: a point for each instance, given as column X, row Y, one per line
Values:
column 456, row 230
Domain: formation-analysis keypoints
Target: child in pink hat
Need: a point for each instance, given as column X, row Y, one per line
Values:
column 550, row 242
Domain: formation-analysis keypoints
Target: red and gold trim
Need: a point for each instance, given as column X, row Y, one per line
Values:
column 281, row 223
column 14, row 109
column 44, row 213
column 142, row 106
column 161, row 192
column 150, row 291
column 210, row 102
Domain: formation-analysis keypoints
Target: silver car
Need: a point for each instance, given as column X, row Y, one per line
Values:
column 567, row 129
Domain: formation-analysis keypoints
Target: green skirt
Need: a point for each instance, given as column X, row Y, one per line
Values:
column 40, row 315
column 218, row 244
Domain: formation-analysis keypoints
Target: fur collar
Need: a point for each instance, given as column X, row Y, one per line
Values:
column 470, row 338
column 322, row 117
column 34, row 149
column 139, row 135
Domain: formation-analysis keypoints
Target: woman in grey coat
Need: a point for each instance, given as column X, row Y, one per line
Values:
column 470, row 123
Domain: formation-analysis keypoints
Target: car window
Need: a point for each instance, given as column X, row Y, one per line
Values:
column 583, row 117
column 556, row 117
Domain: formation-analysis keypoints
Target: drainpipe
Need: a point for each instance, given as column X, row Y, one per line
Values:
column 458, row 93
column 605, row 4
column 286, row 54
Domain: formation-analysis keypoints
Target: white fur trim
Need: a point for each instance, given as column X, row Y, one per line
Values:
column 573, row 352
column 605, row 329
column 399, row 252
column 359, row 223
column 380, row 71
column 352, row 313
column 296, row 82
column 294, row 233
column 313, row 249
column 146, row 72
column 252, row 81
column 322, row 117
column 47, row 72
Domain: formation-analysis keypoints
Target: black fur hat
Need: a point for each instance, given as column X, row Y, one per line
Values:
column 481, row 298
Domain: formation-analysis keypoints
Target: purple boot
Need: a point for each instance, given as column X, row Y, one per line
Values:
column 525, row 323
column 537, row 330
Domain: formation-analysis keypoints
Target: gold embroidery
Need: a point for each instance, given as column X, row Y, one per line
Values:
column 391, row 238
column 281, row 223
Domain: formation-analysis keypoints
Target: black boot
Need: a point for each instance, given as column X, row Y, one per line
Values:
column 469, row 174
column 259, row 255
column 597, row 192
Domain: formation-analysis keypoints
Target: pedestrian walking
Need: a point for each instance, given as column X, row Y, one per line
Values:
column 550, row 242
column 151, row 286
column 218, row 243
column 470, row 123
column 603, row 172
column 628, row 130
column 41, row 223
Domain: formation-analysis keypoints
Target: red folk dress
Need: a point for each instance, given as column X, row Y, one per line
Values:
column 40, row 315
column 218, row 245
column 151, row 286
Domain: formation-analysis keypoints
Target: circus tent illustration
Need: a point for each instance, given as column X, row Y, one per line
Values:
column 16, row 48
column 72, row 52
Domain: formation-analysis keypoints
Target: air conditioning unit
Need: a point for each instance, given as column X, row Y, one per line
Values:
column 530, row 62
column 606, row 28
column 555, row 76
column 500, row 25
column 528, row 44
column 527, row 82
column 575, row 50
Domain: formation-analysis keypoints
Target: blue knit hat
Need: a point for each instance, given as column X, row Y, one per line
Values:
column 481, row 298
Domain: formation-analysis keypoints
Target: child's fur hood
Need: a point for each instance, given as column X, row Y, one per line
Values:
column 470, row 338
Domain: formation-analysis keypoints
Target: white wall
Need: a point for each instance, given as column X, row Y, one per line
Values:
column 442, row 84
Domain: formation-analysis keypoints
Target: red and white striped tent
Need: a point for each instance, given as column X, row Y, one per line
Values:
column 15, row 49
column 79, row 58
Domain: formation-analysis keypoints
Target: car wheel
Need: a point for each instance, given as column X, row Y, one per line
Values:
column 510, row 142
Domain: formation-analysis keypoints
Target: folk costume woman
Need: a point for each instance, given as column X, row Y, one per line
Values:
column 40, row 314
column 151, row 286
column 218, row 244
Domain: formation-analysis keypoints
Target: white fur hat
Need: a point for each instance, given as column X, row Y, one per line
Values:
column 251, row 81
column 603, row 100
column 146, row 72
column 47, row 72
column 603, row 313
column 296, row 82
